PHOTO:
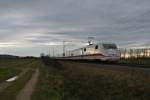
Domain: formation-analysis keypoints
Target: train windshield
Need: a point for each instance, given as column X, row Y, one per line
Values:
column 109, row 46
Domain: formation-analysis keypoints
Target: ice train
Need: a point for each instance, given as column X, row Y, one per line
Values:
column 99, row 51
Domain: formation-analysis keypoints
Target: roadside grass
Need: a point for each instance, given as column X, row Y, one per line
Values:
column 49, row 84
column 69, row 81
column 11, row 67
column 6, row 73
column 11, row 92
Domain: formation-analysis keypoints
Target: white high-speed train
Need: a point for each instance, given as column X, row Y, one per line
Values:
column 99, row 51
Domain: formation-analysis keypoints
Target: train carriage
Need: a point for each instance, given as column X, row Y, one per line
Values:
column 99, row 51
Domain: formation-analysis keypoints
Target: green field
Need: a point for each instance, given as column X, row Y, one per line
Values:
column 61, row 80
column 11, row 92
column 11, row 67
column 6, row 73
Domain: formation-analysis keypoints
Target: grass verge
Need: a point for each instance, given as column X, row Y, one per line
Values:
column 49, row 84
column 10, row 92
column 6, row 73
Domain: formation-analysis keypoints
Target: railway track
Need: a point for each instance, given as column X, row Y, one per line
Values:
column 111, row 63
column 143, row 69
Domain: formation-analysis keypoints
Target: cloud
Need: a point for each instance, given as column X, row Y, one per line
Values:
column 7, row 44
column 30, row 23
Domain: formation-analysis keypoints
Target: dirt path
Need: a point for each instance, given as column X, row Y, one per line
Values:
column 26, row 92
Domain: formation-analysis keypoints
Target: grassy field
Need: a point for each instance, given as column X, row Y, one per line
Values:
column 10, row 67
column 60, row 80
column 69, row 81
column 6, row 73
column 11, row 92
column 47, row 87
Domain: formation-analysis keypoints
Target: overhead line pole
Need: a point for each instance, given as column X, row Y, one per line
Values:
column 53, row 52
column 64, row 48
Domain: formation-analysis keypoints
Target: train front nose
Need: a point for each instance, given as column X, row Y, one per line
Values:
column 113, row 54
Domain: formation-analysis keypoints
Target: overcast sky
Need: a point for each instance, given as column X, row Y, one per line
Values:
column 29, row 27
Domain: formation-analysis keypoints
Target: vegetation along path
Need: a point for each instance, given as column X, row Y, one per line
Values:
column 5, row 84
column 26, row 92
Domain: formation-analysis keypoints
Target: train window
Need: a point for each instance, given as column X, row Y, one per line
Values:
column 71, row 54
column 84, row 49
column 109, row 46
column 96, row 47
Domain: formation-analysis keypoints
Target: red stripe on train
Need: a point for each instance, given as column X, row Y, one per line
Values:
column 87, row 55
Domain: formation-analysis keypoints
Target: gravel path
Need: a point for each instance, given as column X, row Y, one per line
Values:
column 26, row 92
